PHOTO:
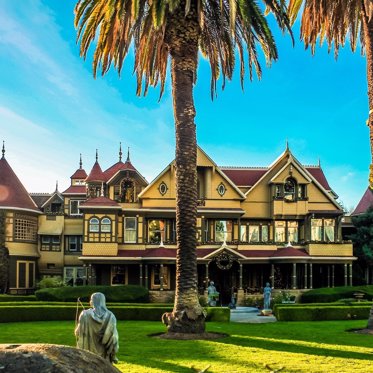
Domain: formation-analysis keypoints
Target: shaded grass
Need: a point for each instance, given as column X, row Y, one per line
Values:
column 296, row 346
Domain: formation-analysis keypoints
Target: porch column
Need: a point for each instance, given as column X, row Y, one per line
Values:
column 207, row 275
column 161, row 277
column 294, row 275
column 333, row 274
column 241, row 276
column 89, row 279
column 328, row 276
column 146, row 276
column 346, row 274
column 311, row 276
column 367, row 275
column 305, row 275
column 273, row 276
column 140, row 277
column 350, row 265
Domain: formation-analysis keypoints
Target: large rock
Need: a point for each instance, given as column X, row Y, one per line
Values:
column 48, row 358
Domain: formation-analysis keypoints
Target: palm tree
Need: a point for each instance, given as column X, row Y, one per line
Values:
column 334, row 21
column 159, row 29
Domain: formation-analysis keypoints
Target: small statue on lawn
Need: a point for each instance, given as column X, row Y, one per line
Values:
column 212, row 294
column 97, row 329
column 267, row 291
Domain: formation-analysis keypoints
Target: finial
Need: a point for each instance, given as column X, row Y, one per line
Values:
column 80, row 162
column 3, row 151
column 319, row 164
column 120, row 152
column 128, row 155
column 56, row 186
column 96, row 155
column 287, row 144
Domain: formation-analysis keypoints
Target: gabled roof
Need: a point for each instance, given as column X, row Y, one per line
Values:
column 96, row 174
column 100, row 202
column 79, row 174
column 244, row 176
column 12, row 192
column 75, row 189
column 365, row 202
column 55, row 194
column 40, row 198
column 318, row 174
column 112, row 171
column 289, row 252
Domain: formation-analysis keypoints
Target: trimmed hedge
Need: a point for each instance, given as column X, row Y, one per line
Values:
column 17, row 298
column 322, row 313
column 122, row 293
column 326, row 295
column 55, row 312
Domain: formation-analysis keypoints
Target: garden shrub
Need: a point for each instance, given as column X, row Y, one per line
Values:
column 325, row 295
column 17, row 298
column 122, row 293
column 220, row 314
column 322, row 313
column 67, row 311
column 50, row 282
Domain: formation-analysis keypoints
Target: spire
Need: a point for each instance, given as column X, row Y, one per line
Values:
column 319, row 163
column 80, row 162
column 56, row 186
column 3, row 151
column 128, row 155
column 96, row 155
column 120, row 152
column 287, row 145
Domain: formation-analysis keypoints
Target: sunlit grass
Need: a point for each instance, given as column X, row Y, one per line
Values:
column 296, row 346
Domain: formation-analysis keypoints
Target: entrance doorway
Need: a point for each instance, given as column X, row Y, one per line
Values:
column 226, row 280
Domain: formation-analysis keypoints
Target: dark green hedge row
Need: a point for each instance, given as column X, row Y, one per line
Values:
column 123, row 293
column 322, row 313
column 68, row 312
column 17, row 298
column 326, row 295
column 85, row 304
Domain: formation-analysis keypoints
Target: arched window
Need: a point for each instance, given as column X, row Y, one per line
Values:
column 289, row 189
column 105, row 225
column 94, row 225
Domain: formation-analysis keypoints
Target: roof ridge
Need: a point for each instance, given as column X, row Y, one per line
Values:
column 244, row 167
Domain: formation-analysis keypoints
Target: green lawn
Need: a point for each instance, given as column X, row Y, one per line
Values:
column 296, row 346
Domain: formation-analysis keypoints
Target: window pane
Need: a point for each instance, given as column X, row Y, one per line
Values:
column 118, row 275
column 254, row 233
column 130, row 236
column 243, row 236
column 280, row 231
column 293, row 231
column 329, row 230
column 30, row 275
column 316, row 229
column 130, row 223
column 22, row 275
column 264, row 233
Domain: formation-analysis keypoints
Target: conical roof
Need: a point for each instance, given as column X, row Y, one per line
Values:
column 12, row 192
column 80, row 172
column 96, row 174
column 365, row 202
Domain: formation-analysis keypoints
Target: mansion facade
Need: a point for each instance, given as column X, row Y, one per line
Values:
column 279, row 224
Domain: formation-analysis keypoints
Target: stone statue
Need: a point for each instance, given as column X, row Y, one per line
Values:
column 97, row 329
column 267, row 296
column 212, row 294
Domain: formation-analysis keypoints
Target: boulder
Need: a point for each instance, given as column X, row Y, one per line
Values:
column 49, row 358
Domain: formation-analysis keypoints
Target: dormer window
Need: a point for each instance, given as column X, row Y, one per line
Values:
column 289, row 189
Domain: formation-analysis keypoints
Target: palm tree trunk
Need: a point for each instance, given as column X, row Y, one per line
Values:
column 182, row 39
column 368, row 37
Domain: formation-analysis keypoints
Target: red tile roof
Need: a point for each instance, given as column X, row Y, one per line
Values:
column 79, row 174
column 76, row 189
column 119, row 166
column 12, row 191
column 250, row 176
column 288, row 251
column 244, row 176
column 319, row 175
column 365, row 202
column 100, row 202
column 159, row 252
column 96, row 174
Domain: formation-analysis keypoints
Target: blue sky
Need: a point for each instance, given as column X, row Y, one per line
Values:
column 51, row 108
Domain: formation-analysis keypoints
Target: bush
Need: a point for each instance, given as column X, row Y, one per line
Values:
column 17, row 298
column 50, row 282
column 219, row 314
column 325, row 295
column 321, row 313
column 125, row 293
column 45, row 312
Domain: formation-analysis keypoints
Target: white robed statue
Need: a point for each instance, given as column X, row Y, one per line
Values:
column 97, row 329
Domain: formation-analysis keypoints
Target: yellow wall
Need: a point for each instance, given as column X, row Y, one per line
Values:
column 330, row 249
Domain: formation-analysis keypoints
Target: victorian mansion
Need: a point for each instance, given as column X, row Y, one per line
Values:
column 279, row 224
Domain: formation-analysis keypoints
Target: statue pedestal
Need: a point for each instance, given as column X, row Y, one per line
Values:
column 240, row 297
